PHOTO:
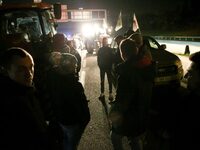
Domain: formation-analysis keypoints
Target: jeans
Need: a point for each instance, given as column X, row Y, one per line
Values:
column 72, row 136
column 109, row 77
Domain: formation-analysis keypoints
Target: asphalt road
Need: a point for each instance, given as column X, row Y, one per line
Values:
column 97, row 133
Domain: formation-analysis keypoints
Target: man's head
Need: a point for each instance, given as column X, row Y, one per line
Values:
column 105, row 41
column 118, row 39
column 128, row 33
column 193, row 74
column 68, row 64
column 137, row 37
column 54, row 58
column 59, row 40
column 19, row 66
column 128, row 49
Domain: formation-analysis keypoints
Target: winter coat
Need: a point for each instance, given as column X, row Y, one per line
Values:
column 105, row 57
column 69, row 103
column 22, row 122
column 133, row 96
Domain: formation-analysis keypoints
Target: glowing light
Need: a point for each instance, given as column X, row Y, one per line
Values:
column 37, row 1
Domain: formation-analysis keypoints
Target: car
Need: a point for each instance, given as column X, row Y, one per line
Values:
column 169, row 69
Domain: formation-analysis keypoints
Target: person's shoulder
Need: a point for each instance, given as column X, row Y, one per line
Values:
column 79, row 84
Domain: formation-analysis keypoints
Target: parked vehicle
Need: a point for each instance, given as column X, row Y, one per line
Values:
column 169, row 70
column 30, row 26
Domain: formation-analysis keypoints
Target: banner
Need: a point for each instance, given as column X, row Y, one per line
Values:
column 119, row 22
column 135, row 23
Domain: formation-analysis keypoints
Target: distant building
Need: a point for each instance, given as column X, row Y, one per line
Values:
column 83, row 15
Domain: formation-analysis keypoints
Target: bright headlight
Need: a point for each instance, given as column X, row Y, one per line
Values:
column 88, row 30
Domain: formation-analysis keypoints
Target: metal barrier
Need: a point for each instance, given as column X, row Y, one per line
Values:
column 179, row 38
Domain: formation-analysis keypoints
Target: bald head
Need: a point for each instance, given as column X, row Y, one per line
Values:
column 19, row 65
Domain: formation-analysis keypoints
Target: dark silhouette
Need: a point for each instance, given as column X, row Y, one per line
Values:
column 187, row 50
column 117, row 57
column 187, row 128
column 68, row 100
column 74, row 52
column 133, row 97
column 60, row 43
column 105, row 61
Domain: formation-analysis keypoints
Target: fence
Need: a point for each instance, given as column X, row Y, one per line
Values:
column 179, row 38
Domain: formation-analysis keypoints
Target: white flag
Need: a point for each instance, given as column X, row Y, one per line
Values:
column 119, row 22
column 135, row 23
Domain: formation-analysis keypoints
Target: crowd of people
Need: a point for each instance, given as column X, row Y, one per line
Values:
column 51, row 117
column 131, row 113
column 57, row 119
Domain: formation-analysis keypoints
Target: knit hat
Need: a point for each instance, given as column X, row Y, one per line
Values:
column 68, row 63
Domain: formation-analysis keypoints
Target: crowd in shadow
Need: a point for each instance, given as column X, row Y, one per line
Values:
column 54, row 116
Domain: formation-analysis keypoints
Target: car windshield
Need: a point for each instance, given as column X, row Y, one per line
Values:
column 20, row 21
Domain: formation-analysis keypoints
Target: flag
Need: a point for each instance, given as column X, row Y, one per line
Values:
column 119, row 22
column 135, row 23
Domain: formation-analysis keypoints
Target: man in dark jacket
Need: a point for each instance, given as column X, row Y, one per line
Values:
column 105, row 61
column 22, row 123
column 133, row 97
column 69, row 102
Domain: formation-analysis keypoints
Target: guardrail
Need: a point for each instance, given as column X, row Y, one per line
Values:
column 179, row 38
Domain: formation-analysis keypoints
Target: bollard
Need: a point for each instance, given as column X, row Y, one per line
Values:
column 187, row 50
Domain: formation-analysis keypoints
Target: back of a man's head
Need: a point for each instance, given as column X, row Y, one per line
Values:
column 68, row 63
column 118, row 39
column 195, row 58
column 128, row 49
column 137, row 37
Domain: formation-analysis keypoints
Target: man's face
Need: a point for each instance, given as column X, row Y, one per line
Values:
column 22, row 70
column 193, row 77
column 105, row 42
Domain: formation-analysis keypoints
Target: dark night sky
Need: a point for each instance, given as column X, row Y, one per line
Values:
column 137, row 5
column 177, row 13
column 140, row 5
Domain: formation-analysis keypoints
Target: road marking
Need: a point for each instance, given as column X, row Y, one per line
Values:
column 82, row 78
column 82, row 73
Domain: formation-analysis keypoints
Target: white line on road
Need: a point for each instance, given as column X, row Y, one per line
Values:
column 82, row 78
column 82, row 73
